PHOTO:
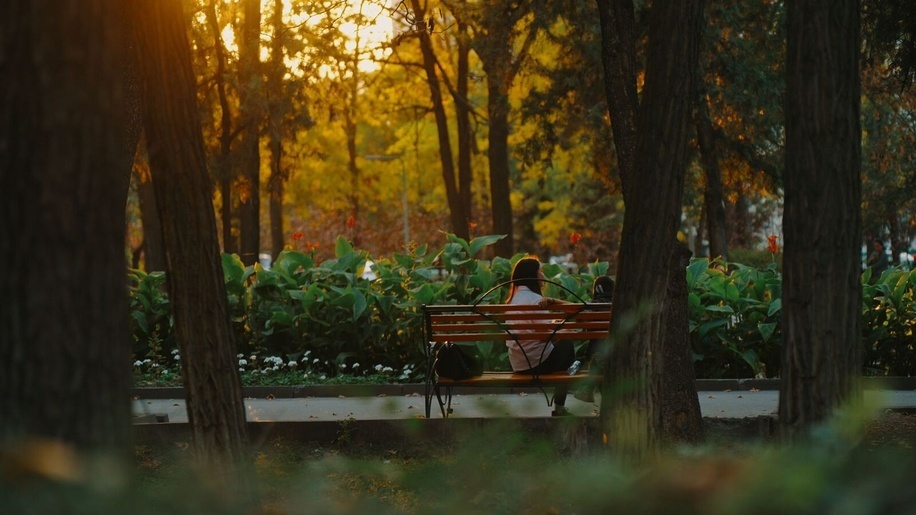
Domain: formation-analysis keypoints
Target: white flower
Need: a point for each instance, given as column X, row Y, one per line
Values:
column 138, row 363
column 355, row 365
column 323, row 377
column 378, row 368
column 243, row 362
column 174, row 351
column 343, row 365
column 241, row 369
column 240, row 356
column 315, row 360
column 177, row 357
column 253, row 357
column 292, row 364
column 387, row 369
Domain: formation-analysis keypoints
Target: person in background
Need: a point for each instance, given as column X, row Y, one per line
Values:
column 602, row 292
column 877, row 260
column 538, row 356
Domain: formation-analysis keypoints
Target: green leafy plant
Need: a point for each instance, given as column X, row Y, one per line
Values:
column 734, row 319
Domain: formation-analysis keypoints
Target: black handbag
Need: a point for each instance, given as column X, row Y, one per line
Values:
column 454, row 362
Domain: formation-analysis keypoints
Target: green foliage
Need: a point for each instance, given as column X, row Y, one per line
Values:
column 889, row 322
column 734, row 319
column 304, row 321
column 150, row 314
column 495, row 468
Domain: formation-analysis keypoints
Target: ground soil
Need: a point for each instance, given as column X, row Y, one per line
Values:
column 892, row 429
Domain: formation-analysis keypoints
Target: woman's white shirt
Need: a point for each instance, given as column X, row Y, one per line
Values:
column 535, row 351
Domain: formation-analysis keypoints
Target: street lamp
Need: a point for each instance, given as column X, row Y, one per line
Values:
column 392, row 157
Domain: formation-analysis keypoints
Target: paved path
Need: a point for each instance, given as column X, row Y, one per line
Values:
column 715, row 404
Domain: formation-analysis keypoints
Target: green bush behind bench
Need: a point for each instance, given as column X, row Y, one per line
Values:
column 313, row 321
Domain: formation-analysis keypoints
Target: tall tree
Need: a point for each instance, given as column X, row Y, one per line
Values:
column 495, row 39
column 713, row 198
column 822, row 222
column 195, row 277
column 249, row 155
column 653, row 188
column 223, row 161
column 276, row 110
column 66, row 146
column 422, row 29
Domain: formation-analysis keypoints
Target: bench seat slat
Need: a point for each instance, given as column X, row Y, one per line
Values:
column 513, row 379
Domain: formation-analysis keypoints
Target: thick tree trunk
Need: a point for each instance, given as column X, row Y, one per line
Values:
column 223, row 169
column 65, row 158
column 682, row 422
column 153, row 246
column 618, row 56
column 822, row 226
column 195, row 278
column 713, row 200
column 277, row 182
column 463, row 116
column 249, row 152
column 653, row 198
column 498, row 158
column 458, row 216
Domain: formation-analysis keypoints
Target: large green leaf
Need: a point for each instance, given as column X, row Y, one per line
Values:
column 343, row 247
column 477, row 244
column 766, row 330
column 695, row 270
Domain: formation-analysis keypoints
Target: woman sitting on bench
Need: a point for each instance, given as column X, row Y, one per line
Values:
column 535, row 357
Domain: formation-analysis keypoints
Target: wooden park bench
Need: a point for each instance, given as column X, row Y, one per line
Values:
column 499, row 323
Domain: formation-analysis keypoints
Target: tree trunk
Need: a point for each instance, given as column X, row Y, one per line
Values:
column 457, row 213
column 153, row 246
column 713, row 200
column 618, row 56
column 66, row 148
column 213, row 390
column 653, row 207
column 822, row 221
column 682, row 422
column 277, row 182
column 494, row 47
column 249, row 153
column 463, row 115
column 498, row 158
column 223, row 169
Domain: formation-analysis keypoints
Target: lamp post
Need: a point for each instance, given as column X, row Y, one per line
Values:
column 399, row 157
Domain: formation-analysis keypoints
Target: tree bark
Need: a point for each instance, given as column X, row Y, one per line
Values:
column 652, row 192
column 277, row 111
column 463, row 116
column 65, row 158
column 458, row 216
column 195, row 278
column 618, row 56
column 153, row 246
column 249, row 152
column 682, row 422
column 713, row 199
column 223, row 167
column 822, row 221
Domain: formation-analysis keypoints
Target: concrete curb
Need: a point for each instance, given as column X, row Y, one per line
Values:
column 374, row 390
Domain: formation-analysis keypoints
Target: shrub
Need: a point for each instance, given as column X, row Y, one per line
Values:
column 328, row 314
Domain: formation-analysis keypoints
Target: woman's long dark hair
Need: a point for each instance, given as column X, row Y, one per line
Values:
column 525, row 273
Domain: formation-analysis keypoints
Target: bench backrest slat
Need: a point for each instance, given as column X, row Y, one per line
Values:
column 504, row 322
column 543, row 335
